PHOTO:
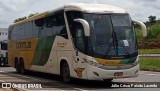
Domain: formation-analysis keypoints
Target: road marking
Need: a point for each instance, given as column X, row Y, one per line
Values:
column 127, row 80
column 149, row 74
column 55, row 81
column 29, row 77
column 1, row 71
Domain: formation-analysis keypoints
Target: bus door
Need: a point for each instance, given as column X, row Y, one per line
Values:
column 79, row 55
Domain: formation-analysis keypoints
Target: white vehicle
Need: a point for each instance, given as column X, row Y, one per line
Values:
column 85, row 41
column 3, row 46
column 4, row 53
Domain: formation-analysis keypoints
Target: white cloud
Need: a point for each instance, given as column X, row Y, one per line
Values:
column 12, row 9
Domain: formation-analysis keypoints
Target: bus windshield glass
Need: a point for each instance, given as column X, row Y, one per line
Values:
column 111, row 34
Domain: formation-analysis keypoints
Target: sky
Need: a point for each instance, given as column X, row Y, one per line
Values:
column 13, row 9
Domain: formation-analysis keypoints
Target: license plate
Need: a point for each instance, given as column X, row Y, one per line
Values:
column 118, row 74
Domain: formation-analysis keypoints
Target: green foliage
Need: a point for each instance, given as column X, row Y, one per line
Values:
column 150, row 63
column 153, row 38
column 32, row 15
column 20, row 19
column 153, row 32
column 152, row 19
column 23, row 18
column 149, row 51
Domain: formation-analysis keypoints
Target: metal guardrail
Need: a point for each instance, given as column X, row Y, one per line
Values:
column 149, row 55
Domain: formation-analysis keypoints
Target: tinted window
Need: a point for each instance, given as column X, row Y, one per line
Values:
column 79, row 37
column 35, row 29
column 3, row 46
column 39, row 25
column 20, row 31
column 10, row 32
column 71, row 15
column 51, row 25
column 14, row 33
column 28, row 30
column 55, row 25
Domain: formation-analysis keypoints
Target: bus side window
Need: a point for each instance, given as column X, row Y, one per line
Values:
column 3, row 46
column 79, row 37
column 63, row 33
column 55, row 25
column 35, row 29
column 27, row 31
column 38, row 27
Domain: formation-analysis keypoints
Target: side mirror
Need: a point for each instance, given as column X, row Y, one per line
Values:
column 143, row 26
column 85, row 26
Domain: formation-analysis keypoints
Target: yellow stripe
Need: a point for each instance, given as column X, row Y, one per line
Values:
column 108, row 62
column 26, row 53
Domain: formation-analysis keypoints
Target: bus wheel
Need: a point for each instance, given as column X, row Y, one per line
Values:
column 22, row 70
column 17, row 64
column 66, row 73
column 107, row 80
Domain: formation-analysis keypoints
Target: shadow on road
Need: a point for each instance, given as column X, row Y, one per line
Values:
column 54, row 81
column 76, row 83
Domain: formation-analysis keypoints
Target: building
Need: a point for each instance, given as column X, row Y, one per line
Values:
column 3, row 34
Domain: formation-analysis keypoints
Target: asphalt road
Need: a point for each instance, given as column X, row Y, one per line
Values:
column 53, row 82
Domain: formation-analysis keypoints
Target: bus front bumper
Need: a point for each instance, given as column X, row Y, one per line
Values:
column 95, row 73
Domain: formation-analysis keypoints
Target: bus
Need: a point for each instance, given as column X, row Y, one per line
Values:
column 3, row 46
column 4, row 53
column 85, row 41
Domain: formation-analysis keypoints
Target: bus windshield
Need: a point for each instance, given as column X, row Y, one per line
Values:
column 111, row 34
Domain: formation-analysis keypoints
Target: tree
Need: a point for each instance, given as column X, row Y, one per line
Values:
column 20, row 19
column 23, row 18
column 32, row 15
column 152, row 19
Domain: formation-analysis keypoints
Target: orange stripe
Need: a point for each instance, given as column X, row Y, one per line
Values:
column 107, row 62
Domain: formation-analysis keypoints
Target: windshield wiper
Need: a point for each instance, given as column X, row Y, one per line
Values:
column 120, row 44
column 110, row 42
column 115, row 45
column 116, row 42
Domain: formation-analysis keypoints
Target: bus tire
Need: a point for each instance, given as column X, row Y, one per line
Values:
column 22, row 69
column 17, row 66
column 65, row 73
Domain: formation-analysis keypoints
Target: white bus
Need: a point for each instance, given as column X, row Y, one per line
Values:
column 4, row 53
column 85, row 41
column 3, row 46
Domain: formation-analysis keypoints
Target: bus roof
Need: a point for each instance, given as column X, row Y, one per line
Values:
column 95, row 8
column 88, row 8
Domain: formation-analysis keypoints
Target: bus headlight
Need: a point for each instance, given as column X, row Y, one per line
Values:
column 136, row 62
column 94, row 63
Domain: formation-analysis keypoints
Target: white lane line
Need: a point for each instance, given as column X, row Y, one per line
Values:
column 26, row 77
column 149, row 74
column 30, row 77
column 55, row 81
column 127, row 80
column 1, row 71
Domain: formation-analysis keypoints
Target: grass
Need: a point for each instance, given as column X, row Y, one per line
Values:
column 149, row 51
column 150, row 63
